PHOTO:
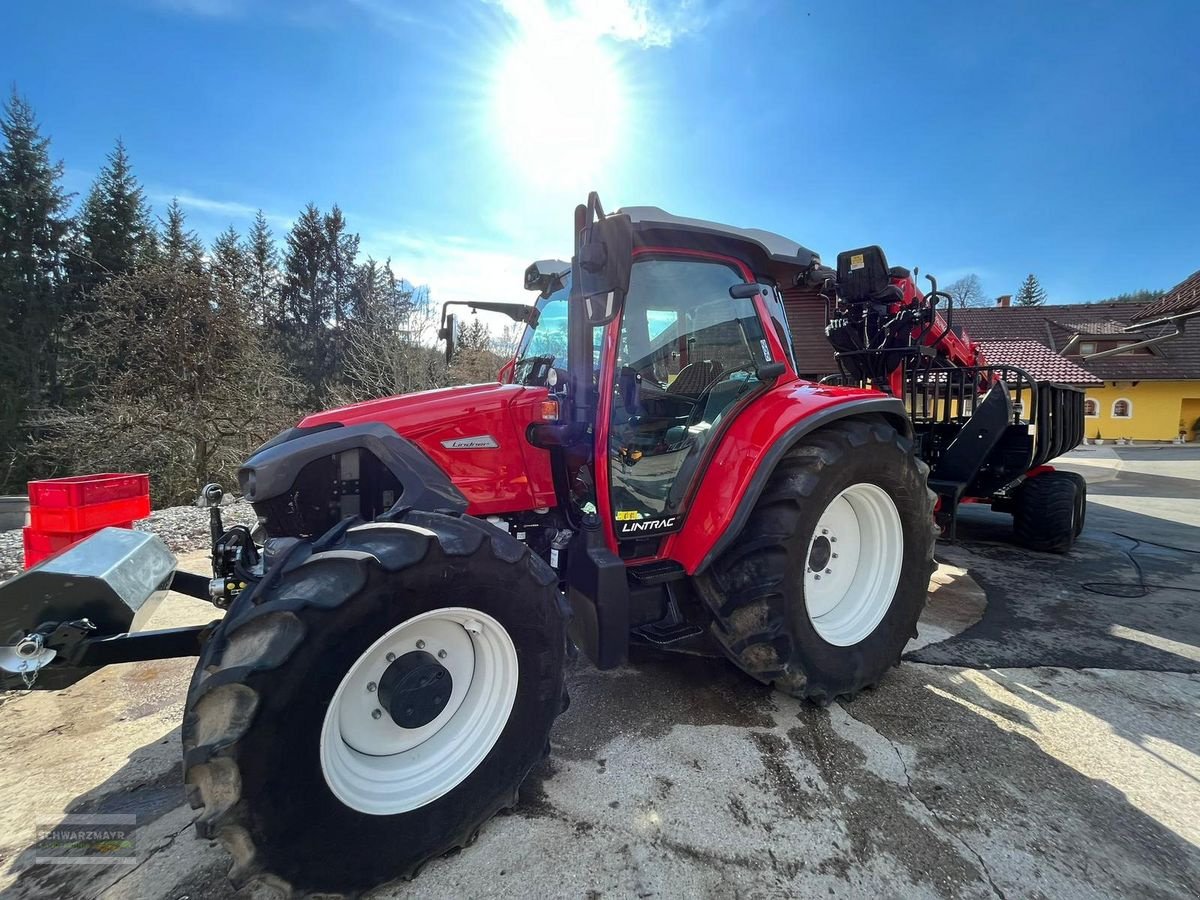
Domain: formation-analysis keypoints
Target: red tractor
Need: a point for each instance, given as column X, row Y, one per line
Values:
column 649, row 469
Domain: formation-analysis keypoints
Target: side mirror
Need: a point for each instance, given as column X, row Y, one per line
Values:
column 602, row 267
column 546, row 276
column 450, row 333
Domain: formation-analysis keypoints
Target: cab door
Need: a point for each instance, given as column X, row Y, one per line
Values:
column 687, row 354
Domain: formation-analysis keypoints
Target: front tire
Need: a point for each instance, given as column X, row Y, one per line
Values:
column 822, row 589
column 318, row 739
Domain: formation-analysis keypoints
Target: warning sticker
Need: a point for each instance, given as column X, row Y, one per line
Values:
column 857, row 262
column 628, row 515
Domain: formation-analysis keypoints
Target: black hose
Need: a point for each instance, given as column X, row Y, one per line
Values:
column 1143, row 588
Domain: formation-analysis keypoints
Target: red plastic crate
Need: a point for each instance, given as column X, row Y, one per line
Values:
column 39, row 545
column 80, row 519
column 86, row 490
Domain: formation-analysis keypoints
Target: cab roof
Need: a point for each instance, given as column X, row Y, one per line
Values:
column 766, row 253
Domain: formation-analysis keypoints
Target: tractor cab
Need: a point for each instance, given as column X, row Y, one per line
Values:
column 661, row 331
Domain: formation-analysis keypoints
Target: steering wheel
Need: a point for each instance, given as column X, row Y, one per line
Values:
column 697, row 412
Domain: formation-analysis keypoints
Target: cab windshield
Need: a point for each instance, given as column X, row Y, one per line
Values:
column 544, row 347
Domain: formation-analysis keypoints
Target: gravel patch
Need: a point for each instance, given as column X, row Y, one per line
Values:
column 181, row 528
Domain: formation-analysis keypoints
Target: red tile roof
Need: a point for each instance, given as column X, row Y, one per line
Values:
column 1052, row 327
column 1183, row 298
column 1177, row 358
column 1042, row 363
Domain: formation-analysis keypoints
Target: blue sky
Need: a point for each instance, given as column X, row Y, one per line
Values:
column 998, row 138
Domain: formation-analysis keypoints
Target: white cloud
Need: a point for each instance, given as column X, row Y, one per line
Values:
column 648, row 23
column 454, row 268
column 389, row 12
column 229, row 208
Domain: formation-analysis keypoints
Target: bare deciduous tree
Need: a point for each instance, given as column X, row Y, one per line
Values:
column 183, row 386
column 968, row 292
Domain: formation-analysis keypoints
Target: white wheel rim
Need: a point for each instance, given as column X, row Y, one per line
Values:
column 853, row 566
column 372, row 764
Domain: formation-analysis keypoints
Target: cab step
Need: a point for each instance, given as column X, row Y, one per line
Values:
column 658, row 572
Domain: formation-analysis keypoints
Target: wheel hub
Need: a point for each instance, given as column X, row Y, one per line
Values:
column 820, row 554
column 415, row 689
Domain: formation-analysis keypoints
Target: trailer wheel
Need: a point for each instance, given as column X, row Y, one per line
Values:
column 1080, row 500
column 823, row 588
column 1048, row 511
column 377, row 698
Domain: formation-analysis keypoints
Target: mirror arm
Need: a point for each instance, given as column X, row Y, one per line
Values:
column 518, row 312
column 594, row 206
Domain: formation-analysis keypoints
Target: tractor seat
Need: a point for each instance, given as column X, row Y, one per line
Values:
column 695, row 377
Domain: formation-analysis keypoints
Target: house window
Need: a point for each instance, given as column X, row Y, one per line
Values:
column 1091, row 408
column 1087, row 348
column 1122, row 409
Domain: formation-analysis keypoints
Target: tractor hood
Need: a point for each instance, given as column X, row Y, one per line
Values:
column 474, row 433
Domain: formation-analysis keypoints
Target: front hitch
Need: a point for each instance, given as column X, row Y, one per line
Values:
column 87, row 607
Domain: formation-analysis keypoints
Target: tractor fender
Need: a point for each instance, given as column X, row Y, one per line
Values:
column 273, row 469
column 746, row 459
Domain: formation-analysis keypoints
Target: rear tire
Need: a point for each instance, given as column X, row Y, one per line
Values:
column 771, row 617
column 1046, row 511
column 270, row 736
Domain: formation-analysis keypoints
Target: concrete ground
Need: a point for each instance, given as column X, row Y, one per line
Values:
column 1042, row 739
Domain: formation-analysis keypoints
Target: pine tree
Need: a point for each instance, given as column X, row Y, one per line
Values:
column 115, row 229
column 476, row 335
column 180, row 247
column 33, row 228
column 341, row 248
column 1030, row 293
column 304, row 296
column 230, row 265
column 303, row 304
column 263, row 260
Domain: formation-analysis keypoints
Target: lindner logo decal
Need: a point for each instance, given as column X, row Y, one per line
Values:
column 642, row 527
column 479, row 442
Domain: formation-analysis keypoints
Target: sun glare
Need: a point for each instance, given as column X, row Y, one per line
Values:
column 558, row 106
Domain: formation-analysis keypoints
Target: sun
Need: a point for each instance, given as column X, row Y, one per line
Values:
column 558, row 107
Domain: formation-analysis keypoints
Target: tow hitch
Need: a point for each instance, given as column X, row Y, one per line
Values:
column 86, row 607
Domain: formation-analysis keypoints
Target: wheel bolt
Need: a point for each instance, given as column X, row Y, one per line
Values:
column 829, row 571
column 817, row 577
column 391, row 657
column 835, row 556
column 833, row 540
column 376, row 713
column 371, row 688
column 441, row 654
column 824, row 531
column 420, row 645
